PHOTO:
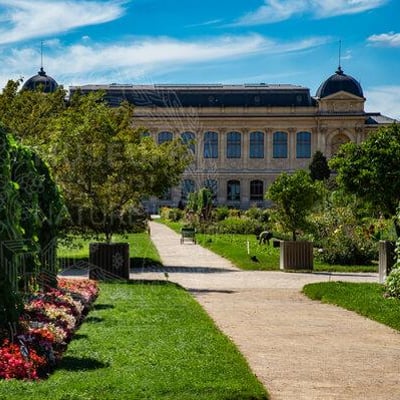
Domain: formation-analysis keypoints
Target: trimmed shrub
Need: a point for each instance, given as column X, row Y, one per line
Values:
column 220, row 213
column 171, row 214
column 242, row 225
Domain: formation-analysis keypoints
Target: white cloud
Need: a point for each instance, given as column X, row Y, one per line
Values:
column 279, row 10
column 384, row 99
column 26, row 19
column 390, row 39
column 126, row 62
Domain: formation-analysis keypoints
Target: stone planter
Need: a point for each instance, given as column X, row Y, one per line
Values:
column 109, row 261
column 296, row 255
column 386, row 258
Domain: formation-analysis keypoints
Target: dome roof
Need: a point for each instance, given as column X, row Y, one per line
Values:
column 41, row 79
column 337, row 82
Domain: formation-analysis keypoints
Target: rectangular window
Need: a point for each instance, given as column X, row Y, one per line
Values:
column 280, row 145
column 233, row 145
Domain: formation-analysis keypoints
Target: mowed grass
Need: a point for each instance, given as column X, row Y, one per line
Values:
column 245, row 252
column 145, row 341
column 139, row 246
column 363, row 298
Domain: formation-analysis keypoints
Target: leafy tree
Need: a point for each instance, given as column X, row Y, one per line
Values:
column 371, row 170
column 319, row 168
column 294, row 197
column 105, row 167
column 28, row 114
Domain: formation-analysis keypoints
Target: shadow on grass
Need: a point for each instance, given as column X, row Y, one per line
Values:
column 102, row 306
column 69, row 363
column 79, row 336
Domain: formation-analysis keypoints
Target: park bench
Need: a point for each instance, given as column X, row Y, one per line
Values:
column 188, row 234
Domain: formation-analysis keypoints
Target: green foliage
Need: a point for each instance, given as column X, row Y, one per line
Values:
column 371, row 169
column 200, row 203
column 105, row 167
column 26, row 198
column 171, row 214
column 294, row 196
column 220, row 213
column 392, row 284
column 239, row 225
column 363, row 298
column 319, row 168
column 29, row 114
column 258, row 214
column 344, row 239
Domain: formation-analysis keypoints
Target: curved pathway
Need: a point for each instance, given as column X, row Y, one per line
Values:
column 298, row 348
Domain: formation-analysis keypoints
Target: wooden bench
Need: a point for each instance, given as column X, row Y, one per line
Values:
column 188, row 234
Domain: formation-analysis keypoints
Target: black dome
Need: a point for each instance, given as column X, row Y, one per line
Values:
column 41, row 79
column 337, row 82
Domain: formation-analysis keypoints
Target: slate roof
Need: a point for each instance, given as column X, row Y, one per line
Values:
column 252, row 95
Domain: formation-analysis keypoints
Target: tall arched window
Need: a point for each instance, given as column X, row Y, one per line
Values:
column 233, row 191
column 164, row 137
column 280, row 145
column 234, row 145
column 256, row 145
column 211, row 145
column 303, row 145
column 188, row 186
column 188, row 138
column 212, row 185
column 256, row 190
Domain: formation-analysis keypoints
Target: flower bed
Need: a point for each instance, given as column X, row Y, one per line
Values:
column 46, row 326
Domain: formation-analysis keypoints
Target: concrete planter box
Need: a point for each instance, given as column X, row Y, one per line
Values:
column 296, row 255
column 387, row 258
column 109, row 261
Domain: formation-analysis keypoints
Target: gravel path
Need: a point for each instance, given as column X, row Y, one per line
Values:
column 298, row 348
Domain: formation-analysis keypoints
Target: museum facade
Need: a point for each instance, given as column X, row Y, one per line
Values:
column 243, row 136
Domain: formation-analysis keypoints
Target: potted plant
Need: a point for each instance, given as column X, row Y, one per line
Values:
column 293, row 197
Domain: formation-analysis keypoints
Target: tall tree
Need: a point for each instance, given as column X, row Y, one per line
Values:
column 105, row 167
column 371, row 170
column 294, row 197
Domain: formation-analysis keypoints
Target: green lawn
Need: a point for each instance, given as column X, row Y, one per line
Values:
column 142, row 251
column 364, row 298
column 260, row 257
column 145, row 341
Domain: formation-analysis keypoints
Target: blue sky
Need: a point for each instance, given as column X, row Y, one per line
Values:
column 172, row 41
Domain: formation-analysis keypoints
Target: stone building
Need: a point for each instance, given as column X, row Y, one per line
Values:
column 243, row 136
